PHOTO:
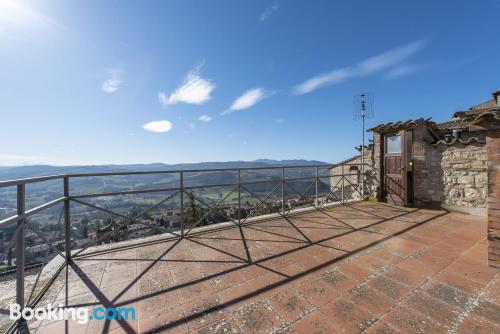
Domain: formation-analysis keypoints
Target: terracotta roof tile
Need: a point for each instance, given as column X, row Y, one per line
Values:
column 408, row 124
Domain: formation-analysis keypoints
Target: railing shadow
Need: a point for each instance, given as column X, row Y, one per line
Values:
column 246, row 263
column 244, row 224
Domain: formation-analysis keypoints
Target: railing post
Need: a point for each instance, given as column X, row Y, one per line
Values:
column 239, row 197
column 67, row 220
column 343, row 176
column 181, row 187
column 20, row 245
column 316, row 198
column 283, row 190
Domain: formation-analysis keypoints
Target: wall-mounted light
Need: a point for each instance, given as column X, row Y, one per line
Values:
column 457, row 133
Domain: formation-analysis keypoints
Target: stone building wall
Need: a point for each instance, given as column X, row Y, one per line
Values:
column 465, row 174
column 493, row 151
column 427, row 173
column 352, row 176
column 452, row 177
column 377, row 163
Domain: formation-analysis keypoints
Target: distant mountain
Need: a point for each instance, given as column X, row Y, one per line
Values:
column 42, row 192
column 290, row 162
column 16, row 172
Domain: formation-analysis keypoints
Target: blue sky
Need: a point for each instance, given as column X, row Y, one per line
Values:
column 95, row 82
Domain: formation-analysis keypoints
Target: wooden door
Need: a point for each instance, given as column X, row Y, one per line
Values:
column 394, row 169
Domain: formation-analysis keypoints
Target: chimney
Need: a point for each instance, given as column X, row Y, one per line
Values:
column 496, row 97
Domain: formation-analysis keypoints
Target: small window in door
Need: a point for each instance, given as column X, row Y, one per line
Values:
column 393, row 144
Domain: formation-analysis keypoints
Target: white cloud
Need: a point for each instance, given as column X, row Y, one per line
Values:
column 330, row 78
column 205, row 118
column 111, row 85
column 158, row 126
column 403, row 70
column 113, row 82
column 194, row 90
column 390, row 58
column 266, row 15
column 248, row 99
column 368, row 66
column 280, row 121
column 162, row 97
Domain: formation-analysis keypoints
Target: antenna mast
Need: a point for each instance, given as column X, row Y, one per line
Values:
column 363, row 109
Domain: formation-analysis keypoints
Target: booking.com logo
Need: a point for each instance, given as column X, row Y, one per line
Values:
column 80, row 314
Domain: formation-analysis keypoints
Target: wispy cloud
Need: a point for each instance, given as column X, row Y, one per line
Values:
column 113, row 81
column 318, row 81
column 248, row 99
column 205, row 118
column 279, row 121
column 194, row 90
column 266, row 14
column 163, row 99
column 366, row 67
column 453, row 65
column 403, row 70
column 158, row 126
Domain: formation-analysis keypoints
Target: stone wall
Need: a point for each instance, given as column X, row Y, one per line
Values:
column 465, row 175
column 352, row 177
column 377, row 163
column 454, row 177
column 493, row 151
column 427, row 173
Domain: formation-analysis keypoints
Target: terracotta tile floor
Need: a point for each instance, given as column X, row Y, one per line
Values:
column 360, row 267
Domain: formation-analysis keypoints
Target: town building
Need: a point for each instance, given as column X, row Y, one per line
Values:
column 453, row 165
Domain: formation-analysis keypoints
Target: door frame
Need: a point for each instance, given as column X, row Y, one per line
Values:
column 404, row 141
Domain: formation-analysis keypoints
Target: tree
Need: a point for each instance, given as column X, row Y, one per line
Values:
column 194, row 213
column 156, row 229
column 85, row 231
column 217, row 216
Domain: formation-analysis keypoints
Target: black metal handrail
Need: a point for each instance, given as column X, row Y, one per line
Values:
column 182, row 189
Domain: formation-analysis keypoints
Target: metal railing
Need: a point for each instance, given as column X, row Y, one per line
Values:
column 340, row 192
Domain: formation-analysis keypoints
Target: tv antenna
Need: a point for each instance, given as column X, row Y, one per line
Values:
column 363, row 109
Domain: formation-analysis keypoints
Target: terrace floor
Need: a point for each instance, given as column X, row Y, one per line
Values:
column 353, row 268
